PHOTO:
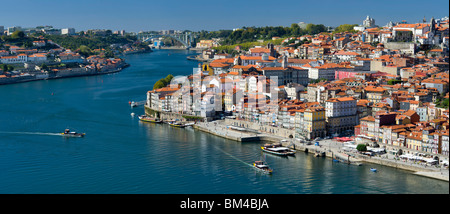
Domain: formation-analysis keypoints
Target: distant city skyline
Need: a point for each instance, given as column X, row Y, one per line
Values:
column 140, row 15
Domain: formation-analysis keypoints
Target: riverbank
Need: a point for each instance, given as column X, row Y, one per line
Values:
column 179, row 48
column 329, row 148
column 32, row 77
column 197, row 58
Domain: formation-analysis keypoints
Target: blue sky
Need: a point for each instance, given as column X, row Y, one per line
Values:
column 136, row 15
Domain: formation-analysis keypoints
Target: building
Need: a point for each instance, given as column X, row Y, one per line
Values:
column 370, row 126
column 313, row 124
column 206, row 44
column 338, row 74
column 293, row 90
column 37, row 58
column 440, row 84
column 374, row 93
column 287, row 74
column 11, row 30
column 68, row 31
column 369, row 22
column 232, row 97
column 326, row 71
column 341, row 114
column 21, row 58
column 39, row 43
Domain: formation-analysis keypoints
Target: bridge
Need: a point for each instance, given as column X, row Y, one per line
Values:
column 184, row 38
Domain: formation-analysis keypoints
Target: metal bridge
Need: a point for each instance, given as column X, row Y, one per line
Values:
column 185, row 38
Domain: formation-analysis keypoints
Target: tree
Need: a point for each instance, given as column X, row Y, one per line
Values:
column 361, row 147
column 18, row 34
column 85, row 50
column 163, row 82
column 28, row 44
column 345, row 28
column 168, row 78
column 394, row 81
column 5, row 67
column 158, row 84
column 44, row 66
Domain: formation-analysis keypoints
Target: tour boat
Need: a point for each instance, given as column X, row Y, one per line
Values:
column 262, row 167
column 149, row 119
column 277, row 149
column 68, row 133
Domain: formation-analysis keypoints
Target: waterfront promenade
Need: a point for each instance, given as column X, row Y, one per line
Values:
column 329, row 147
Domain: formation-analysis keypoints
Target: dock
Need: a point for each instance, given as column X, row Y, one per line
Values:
column 234, row 133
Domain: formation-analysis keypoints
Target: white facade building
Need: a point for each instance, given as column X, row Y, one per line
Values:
column 340, row 107
column 68, row 31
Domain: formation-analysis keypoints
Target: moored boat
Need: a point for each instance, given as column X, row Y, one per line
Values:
column 68, row 133
column 277, row 149
column 261, row 166
column 177, row 124
column 149, row 119
column 373, row 169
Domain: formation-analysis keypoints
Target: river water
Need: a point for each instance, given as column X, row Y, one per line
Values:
column 120, row 154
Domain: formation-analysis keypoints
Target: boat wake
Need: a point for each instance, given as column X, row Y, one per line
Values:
column 230, row 155
column 33, row 133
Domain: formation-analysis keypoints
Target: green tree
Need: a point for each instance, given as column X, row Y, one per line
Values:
column 18, row 34
column 85, row 50
column 393, row 81
column 345, row 28
column 4, row 67
column 158, row 84
column 28, row 44
column 361, row 147
column 44, row 66
column 168, row 78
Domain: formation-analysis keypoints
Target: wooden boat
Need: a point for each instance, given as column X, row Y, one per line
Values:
column 149, row 119
column 68, row 133
column 177, row 124
column 277, row 149
column 261, row 166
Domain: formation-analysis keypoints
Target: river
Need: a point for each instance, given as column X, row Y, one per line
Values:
column 120, row 154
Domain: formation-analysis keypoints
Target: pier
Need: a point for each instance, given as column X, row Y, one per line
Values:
column 232, row 133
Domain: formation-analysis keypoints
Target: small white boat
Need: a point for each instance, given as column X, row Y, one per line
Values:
column 261, row 166
column 68, row 133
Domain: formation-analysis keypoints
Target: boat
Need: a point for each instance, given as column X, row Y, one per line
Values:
column 261, row 166
column 373, row 169
column 319, row 154
column 177, row 124
column 68, row 133
column 277, row 149
column 132, row 103
column 149, row 119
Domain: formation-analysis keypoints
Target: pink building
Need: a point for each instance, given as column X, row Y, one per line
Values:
column 338, row 75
